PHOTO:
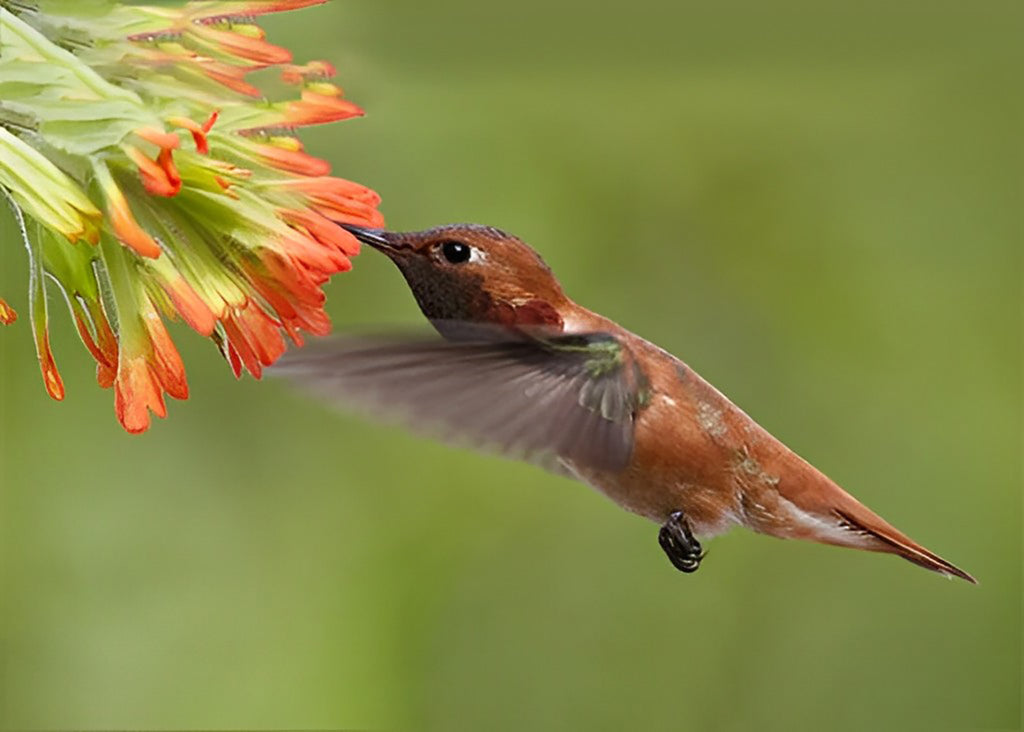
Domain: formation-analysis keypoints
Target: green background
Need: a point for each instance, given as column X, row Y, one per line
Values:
column 817, row 206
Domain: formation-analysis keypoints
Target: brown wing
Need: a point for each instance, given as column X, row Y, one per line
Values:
column 548, row 400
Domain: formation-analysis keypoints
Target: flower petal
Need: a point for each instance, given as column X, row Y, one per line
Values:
column 167, row 140
column 240, row 46
column 136, row 393
column 316, row 108
column 126, row 228
column 255, row 336
column 7, row 313
column 188, row 303
column 166, row 364
column 51, row 376
column 198, row 131
column 154, row 173
column 292, row 161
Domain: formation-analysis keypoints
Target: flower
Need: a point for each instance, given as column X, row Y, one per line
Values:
column 151, row 180
column 7, row 313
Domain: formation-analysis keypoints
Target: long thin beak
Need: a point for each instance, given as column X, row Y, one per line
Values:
column 376, row 238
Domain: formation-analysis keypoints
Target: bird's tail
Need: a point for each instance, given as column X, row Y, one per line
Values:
column 889, row 539
column 828, row 514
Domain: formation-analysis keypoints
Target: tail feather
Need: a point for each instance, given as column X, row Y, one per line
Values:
column 836, row 517
column 896, row 542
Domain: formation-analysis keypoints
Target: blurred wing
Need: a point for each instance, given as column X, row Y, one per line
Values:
column 549, row 400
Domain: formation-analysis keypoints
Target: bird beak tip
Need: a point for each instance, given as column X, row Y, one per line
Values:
column 377, row 238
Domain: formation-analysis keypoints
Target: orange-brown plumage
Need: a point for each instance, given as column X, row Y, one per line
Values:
column 594, row 400
column 698, row 452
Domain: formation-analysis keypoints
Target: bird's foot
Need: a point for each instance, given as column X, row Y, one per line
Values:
column 682, row 549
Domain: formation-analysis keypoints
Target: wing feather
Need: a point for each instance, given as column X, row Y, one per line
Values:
column 549, row 400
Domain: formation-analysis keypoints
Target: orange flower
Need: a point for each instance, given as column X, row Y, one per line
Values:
column 254, row 49
column 7, row 314
column 146, row 369
column 198, row 131
column 158, row 176
column 123, row 223
column 51, row 376
column 235, row 234
column 291, row 160
column 317, row 107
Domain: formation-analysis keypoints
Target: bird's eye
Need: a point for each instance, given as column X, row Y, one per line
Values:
column 456, row 252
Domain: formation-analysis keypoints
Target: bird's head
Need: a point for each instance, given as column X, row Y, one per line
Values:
column 472, row 273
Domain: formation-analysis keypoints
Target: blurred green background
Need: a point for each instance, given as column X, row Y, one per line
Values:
column 817, row 207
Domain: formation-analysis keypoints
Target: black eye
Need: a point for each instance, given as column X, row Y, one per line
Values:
column 455, row 251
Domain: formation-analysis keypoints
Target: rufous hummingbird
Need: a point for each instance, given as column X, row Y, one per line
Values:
column 522, row 369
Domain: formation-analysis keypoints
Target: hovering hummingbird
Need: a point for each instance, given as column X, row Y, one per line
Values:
column 522, row 369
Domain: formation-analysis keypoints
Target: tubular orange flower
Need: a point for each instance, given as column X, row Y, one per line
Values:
column 293, row 160
column 198, row 130
column 158, row 137
column 119, row 214
column 158, row 176
column 252, row 48
column 235, row 232
column 318, row 107
column 7, row 314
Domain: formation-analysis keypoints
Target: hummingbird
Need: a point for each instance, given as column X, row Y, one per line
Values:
column 519, row 368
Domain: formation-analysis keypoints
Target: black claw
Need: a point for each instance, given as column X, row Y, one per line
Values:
column 682, row 549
